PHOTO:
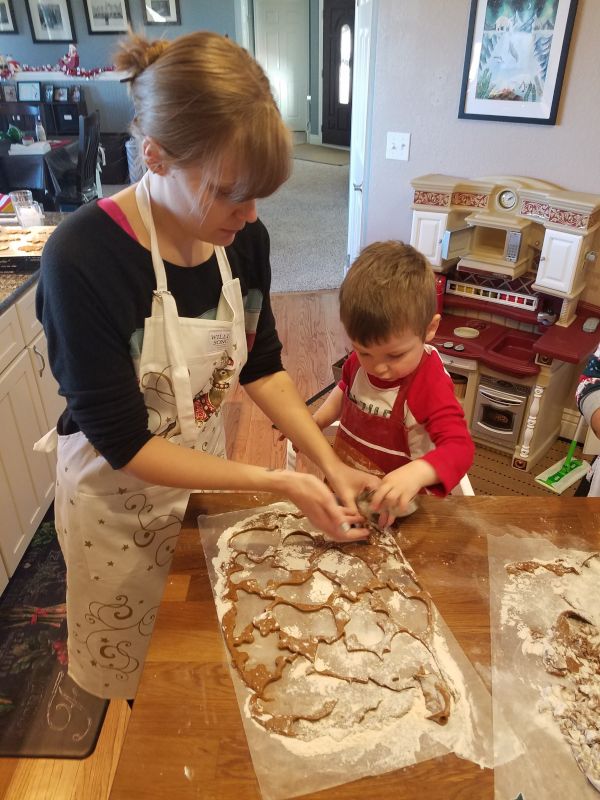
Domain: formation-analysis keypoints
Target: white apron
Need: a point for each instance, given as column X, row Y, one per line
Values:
column 117, row 533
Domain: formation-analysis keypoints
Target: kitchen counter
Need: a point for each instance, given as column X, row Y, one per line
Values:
column 18, row 273
column 514, row 356
column 570, row 344
column 185, row 737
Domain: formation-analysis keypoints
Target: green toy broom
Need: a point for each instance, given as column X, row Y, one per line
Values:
column 565, row 473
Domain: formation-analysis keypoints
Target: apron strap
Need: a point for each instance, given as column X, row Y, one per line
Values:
column 180, row 373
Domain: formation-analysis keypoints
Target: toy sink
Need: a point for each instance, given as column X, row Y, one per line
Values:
column 514, row 346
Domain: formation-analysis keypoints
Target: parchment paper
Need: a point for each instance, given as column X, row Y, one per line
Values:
column 285, row 774
column 546, row 768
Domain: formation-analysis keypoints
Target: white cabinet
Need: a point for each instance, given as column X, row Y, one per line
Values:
column 29, row 405
column 560, row 261
column 441, row 237
column 427, row 234
column 52, row 403
column 28, row 477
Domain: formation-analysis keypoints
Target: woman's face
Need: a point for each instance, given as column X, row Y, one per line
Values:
column 188, row 201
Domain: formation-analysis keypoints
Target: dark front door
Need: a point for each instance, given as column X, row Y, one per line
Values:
column 338, row 44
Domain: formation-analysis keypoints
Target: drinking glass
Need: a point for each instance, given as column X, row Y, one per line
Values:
column 28, row 211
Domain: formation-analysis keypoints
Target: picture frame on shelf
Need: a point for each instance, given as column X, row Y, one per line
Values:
column 107, row 16
column 515, row 60
column 61, row 94
column 48, row 93
column 9, row 90
column 74, row 94
column 161, row 12
column 50, row 21
column 29, row 91
column 8, row 22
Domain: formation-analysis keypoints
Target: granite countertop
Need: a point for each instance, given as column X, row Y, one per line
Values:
column 19, row 272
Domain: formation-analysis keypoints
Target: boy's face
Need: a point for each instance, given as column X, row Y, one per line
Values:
column 397, row 356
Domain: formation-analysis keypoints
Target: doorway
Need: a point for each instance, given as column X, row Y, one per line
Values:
column 338, row 57
column 281, row 34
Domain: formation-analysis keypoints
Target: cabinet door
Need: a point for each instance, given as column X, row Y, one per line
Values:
column 559, row 261
column 27, row 476
column 26, row 312
column 52, row 402
column 427, row 233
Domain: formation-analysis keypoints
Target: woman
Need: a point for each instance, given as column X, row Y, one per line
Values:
column 154, row 303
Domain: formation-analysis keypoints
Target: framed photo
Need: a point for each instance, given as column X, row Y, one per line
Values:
column 74, row 94
column 29, row 91
column 61, row 94
column 161, row 12
column 107, row 16
column 8, row 23
column 48, row 93
column 50, row 20
column 515, row 59
column 10, row 92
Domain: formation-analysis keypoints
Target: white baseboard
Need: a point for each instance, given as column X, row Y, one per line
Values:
column 314, row 138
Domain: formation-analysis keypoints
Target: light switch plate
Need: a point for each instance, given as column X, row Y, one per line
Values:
column 397, row 146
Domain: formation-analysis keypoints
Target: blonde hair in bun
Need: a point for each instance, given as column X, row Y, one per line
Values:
column 203, row 97
column 137, row 53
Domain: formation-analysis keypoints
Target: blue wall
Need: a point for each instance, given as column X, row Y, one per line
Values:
column 96, row 50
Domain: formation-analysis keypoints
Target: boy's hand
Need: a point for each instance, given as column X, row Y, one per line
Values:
column 399, row 487
column 348, row 483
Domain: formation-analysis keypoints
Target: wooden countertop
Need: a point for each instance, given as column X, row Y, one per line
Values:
column 185, row 737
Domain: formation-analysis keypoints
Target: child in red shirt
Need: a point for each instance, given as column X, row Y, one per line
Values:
column 398, row 415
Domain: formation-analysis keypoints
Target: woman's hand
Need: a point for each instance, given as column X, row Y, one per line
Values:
column 348, row 483
column 315, row 500
column 399, row 487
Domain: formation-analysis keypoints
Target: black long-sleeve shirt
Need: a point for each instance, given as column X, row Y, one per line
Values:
column 94, row 293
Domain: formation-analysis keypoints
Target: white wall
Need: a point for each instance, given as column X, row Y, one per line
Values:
column 419, row 64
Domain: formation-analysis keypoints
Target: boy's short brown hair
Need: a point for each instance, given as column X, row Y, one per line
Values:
column 389, row 289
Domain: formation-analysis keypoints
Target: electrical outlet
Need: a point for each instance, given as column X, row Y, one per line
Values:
column 397, row 146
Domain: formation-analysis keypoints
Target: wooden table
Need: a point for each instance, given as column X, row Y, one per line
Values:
column 185, row 737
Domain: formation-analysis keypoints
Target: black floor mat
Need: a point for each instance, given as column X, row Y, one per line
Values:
column 43, row 713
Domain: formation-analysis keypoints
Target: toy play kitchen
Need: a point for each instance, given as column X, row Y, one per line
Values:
column 518, row 287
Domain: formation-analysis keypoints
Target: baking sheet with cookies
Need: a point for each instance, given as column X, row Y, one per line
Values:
column 545, row 617
column 341, row 715
column 16, row 241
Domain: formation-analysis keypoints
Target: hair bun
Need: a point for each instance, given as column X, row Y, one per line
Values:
column 136, row 53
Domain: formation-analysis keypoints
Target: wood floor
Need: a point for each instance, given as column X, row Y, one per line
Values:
column 313, row 339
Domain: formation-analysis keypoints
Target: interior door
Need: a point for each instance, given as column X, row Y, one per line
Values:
column 282, row 47
column 338, row 46
column 363, row 71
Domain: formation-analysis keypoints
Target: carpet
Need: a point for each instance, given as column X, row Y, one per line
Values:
column 322, row 155
column 43, row 713
column 307, row 220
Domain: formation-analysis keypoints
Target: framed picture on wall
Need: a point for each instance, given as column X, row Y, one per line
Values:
column 10, row 92
column 29, row 91
column 515, row 59
column 50, row 20
column 60, row 94
column 75, row 94
column 7, row 17
column 48, row 93
column 106, row 16
column 161, row 12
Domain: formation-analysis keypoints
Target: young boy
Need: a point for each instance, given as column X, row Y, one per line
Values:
column 398, row 414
